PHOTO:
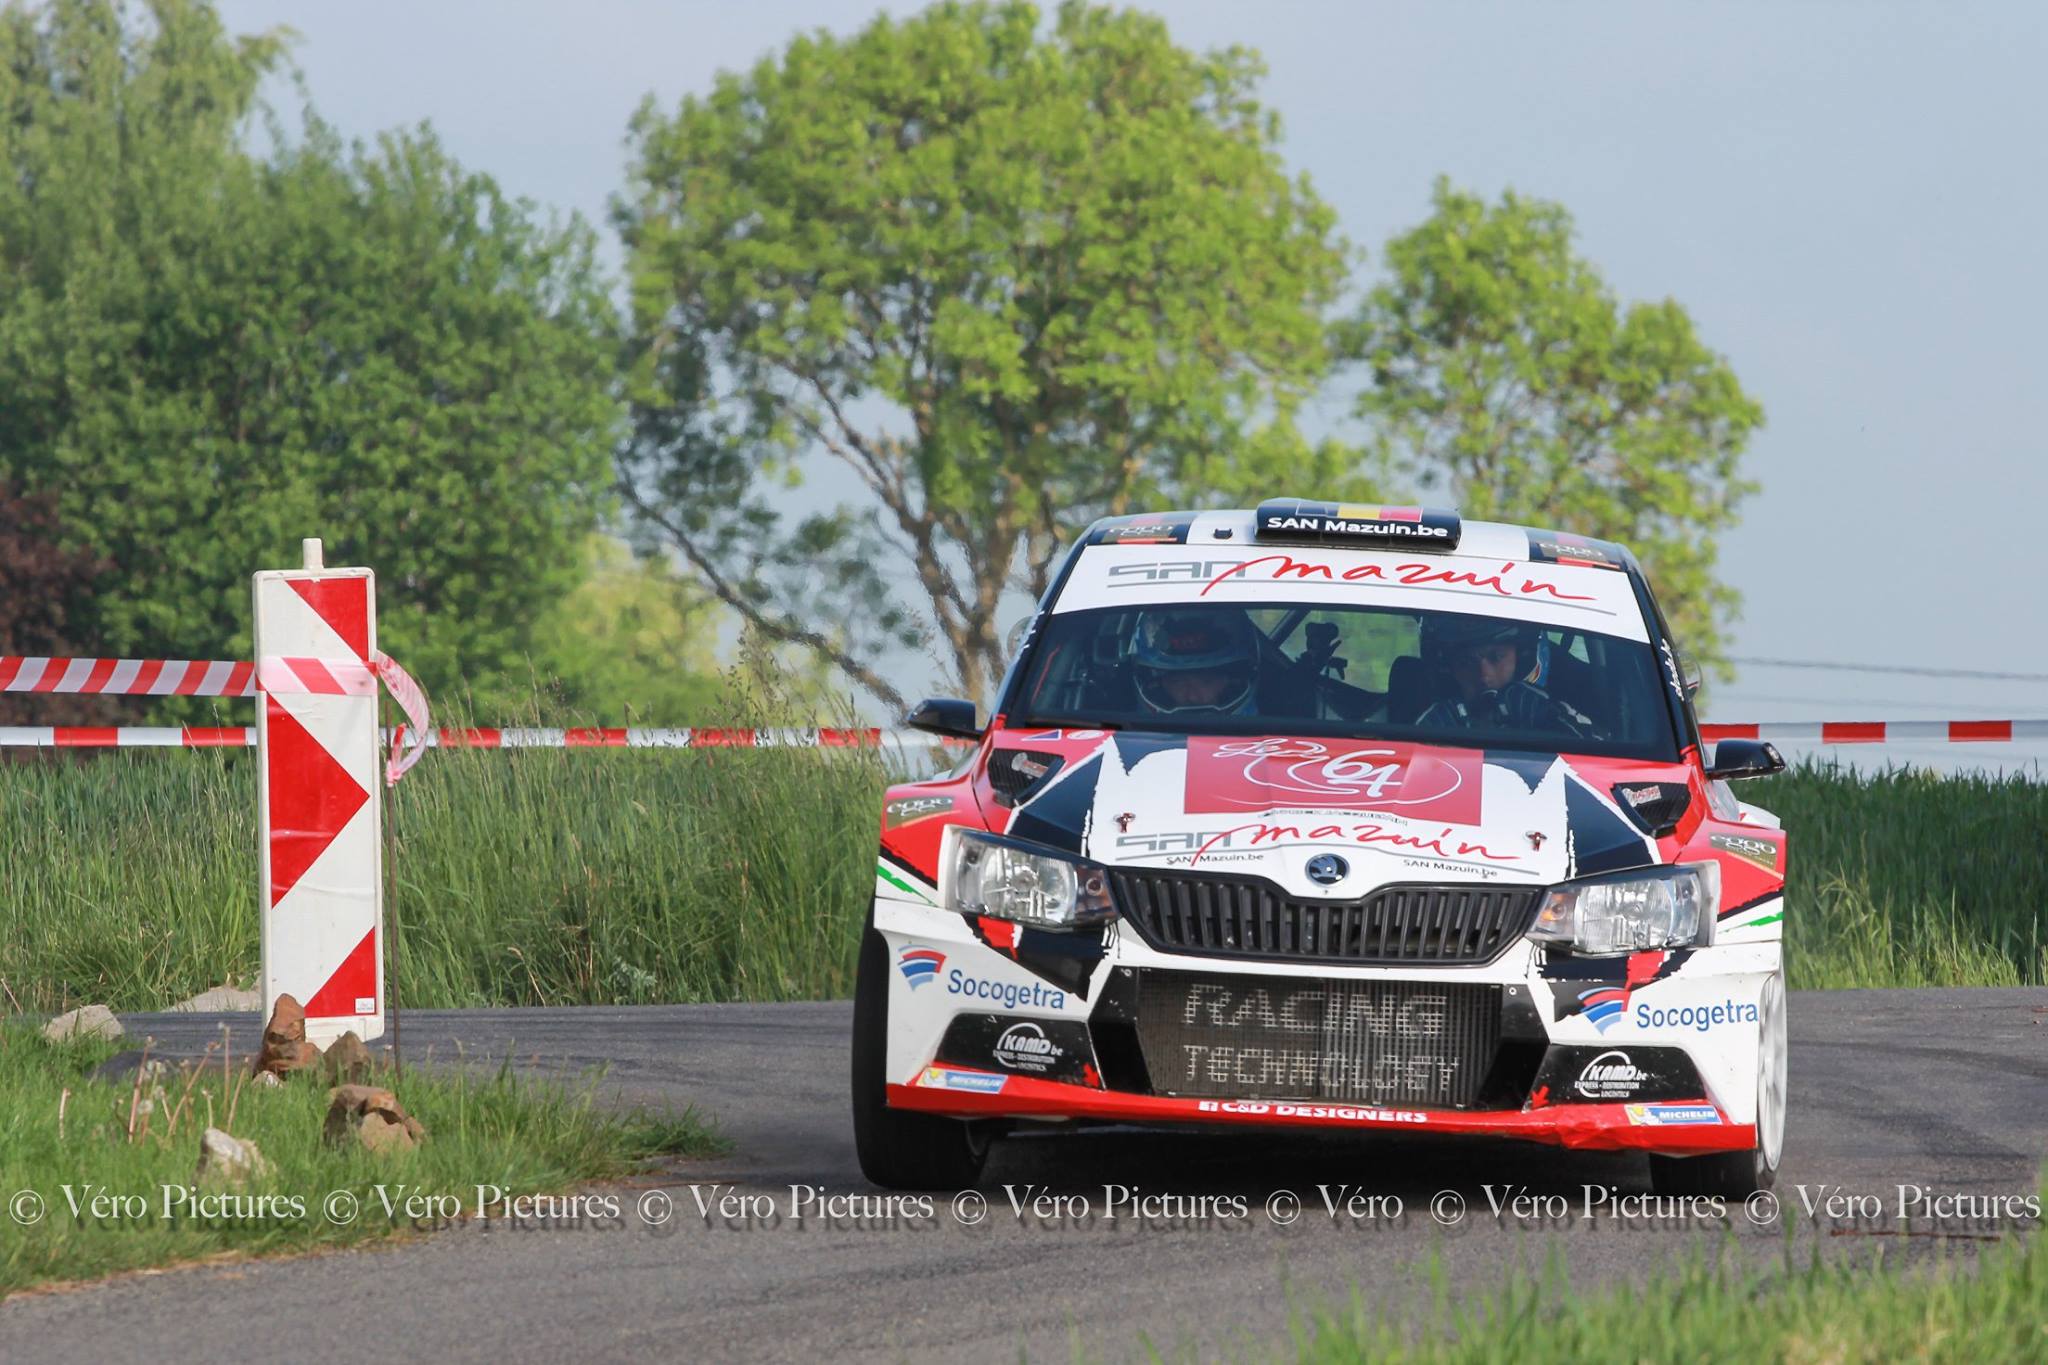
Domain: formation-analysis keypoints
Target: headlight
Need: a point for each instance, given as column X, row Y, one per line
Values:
column 1661, row 907
column 984, row 874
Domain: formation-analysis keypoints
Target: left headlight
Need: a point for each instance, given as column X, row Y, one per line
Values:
column 985, row 874
column 1663, row 907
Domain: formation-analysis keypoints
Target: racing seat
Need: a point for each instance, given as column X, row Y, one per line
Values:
column 1408, row 691
column 1576, row 684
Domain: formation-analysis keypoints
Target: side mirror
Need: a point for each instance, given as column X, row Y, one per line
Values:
column 946, row 717
column 1739, row 758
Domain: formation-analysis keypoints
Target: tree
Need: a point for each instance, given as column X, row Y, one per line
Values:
column 1503, row 369
column 208, row 354
column 44, row 588
column 1007, row 280
column 631, row 644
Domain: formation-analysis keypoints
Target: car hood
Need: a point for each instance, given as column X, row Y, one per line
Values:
column 1391, row 813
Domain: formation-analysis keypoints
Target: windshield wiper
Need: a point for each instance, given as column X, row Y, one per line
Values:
column 1076, row 723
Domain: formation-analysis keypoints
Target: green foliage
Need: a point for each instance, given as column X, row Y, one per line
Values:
column 208, row 354
column 1012, row 279
column 632, row 644
column 1503, row 367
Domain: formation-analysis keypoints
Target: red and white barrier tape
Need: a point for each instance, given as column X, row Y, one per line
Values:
column 624, row 737
column 194, row 678
column 128, row 677
column 1880, row 731
column 221, row 678
column 588, row 737
column 128, row 736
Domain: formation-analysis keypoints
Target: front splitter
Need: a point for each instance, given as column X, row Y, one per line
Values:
column 1669, row 1128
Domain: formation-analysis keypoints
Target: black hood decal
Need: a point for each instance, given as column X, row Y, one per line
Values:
column 1058, row 816
column 1531, row 768
column 1134, row 746
column 1602, row 841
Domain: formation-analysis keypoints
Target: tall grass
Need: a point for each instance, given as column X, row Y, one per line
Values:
column 530, row 877
column 1906, row 878
column 561, row 877
column 628, row 876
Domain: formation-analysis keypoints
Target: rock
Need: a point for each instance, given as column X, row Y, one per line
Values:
column 371, row 1116
column 268, row 1080
column 378, row 1133
column 225, row 1160
column 346, row 1060
column 122, row 1066
column 285, row 1048
column 87, row 1021
column 220, row 1000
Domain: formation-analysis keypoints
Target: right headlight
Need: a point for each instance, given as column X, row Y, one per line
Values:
column 986, row 874
column 1662, row 907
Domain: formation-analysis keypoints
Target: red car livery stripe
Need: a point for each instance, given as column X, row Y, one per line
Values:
column 1594, row 1127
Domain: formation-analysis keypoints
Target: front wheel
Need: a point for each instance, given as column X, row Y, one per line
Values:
column 900, row 1150
column 1737, row 1175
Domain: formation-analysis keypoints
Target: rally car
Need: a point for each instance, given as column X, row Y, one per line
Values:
column 1329, row 816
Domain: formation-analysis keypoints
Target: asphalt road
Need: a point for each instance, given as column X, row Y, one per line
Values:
column 1938, row 1089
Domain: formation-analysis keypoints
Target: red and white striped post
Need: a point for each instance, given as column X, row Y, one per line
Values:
column 321, row 883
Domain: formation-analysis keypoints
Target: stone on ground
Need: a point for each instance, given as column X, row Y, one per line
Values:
column 346, row 1060
column 371, row 1117
column 87, row 1021
column 220, row 1000
column 225, row 1160
column 285, row 1048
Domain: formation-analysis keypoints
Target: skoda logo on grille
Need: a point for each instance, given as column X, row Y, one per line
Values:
column 1327, row 869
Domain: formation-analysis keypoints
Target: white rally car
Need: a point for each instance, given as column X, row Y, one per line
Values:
column 1340, row 817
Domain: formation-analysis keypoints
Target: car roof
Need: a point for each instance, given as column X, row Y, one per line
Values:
column 1480, row 539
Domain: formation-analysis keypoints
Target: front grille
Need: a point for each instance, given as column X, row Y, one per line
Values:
column 1225, row 916
column 1281, row 1038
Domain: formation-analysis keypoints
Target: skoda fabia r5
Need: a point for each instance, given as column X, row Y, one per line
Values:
column 1322, row 816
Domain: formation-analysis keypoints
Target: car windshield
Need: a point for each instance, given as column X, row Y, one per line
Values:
column 1452, row 678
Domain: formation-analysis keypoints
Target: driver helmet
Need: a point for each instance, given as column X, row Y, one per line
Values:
column 1445, row 637
column 1196, row 662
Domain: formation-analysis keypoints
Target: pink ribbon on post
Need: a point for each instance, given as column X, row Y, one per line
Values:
column 416, row 734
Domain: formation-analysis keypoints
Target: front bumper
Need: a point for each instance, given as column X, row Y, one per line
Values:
column 1657, row 1052
column 1597, row 1127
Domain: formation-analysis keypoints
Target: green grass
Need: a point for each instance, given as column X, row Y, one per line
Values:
column 575, row 877
column 1992, row 1309
column 536, row 877
column 1904, row 878
column 492, row 1129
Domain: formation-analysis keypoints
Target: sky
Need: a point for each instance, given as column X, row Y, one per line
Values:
column 1847, row 197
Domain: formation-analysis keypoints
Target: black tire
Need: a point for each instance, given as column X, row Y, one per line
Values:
column 900, row 1150
column 1738, row 1175
column 1732, row 1175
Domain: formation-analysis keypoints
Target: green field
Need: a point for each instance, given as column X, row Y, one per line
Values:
column 558, row 877
column 66, row 1137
